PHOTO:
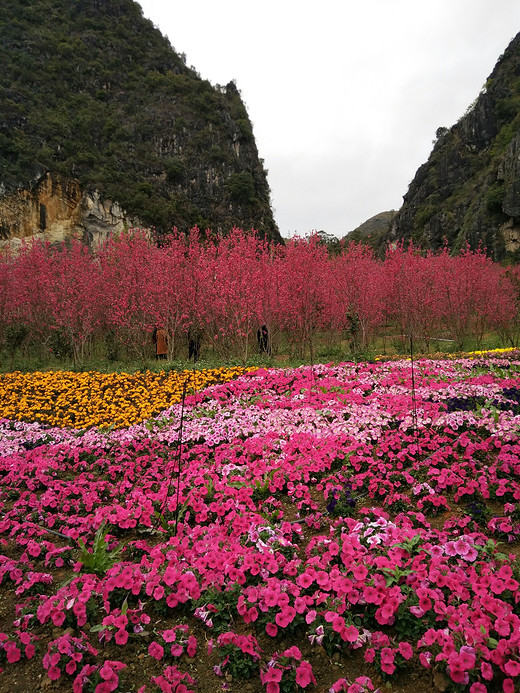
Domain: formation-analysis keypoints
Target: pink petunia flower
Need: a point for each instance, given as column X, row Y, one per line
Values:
column 350, row 634
column 271, row 629
column 310, row 616
column 406, row 650
column 478, row 688
column 191, row 647
column 512, row 668
column 121, row 637
column 304, row 675
column 486, row 670
column 155, row 650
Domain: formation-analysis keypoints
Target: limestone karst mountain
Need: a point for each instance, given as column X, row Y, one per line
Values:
column 371, row 230
column 468, row 192
column 103, row 126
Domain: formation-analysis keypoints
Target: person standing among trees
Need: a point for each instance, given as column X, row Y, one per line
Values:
column 194, row 339
column 160, row 339
column 262, row 336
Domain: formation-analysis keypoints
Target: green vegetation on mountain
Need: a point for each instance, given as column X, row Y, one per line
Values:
column 468, row 192
column 90, row 90
column 371, row 231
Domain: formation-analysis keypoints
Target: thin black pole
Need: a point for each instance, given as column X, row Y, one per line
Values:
column 179, row 453
column 414, row 398
column 44, row 529
column 176, row 468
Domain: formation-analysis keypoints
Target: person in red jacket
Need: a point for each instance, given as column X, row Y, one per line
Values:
column 160, row 339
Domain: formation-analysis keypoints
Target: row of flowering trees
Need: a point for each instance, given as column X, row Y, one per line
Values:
column 225, row 290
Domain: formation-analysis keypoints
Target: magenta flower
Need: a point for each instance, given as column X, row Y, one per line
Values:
column 467, row 658
column 462, row 547
column 304, row 675
column 370, row 654
column 292, row 652
column 191, row 647
column 271, row 596
column 406, row 650
column 486, row 670
column 360, row 572
column 155, row 650
column 310, row 616
column 13, row 652
column 121, row 637
column 169, row 635
column 425, row 658
column 300, row 604
column 271, row 674
column 512, row 667
column 450, row 549
column 110, row 669
column 471, row 554
column 271, row 629
column 478, row 688
column 286, row 616
column 350, row 634
column 305, row 580
column 272, row 687
column 53, row 673
column 457, row 674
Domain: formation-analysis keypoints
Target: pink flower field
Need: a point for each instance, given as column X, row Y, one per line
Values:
column 335, row 528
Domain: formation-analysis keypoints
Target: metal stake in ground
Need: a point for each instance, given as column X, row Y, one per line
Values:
column 414, row 399
column 177, row 467
column 179, row 453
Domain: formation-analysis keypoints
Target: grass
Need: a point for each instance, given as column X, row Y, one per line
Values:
column 327, row 351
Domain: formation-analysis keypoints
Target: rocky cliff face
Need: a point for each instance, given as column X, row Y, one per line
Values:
column 102, row 127
column 468, row 192
column 56, row 209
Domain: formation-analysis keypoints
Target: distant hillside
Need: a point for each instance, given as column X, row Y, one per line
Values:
column 469, row 189
column 100, row 116
column 371, row 231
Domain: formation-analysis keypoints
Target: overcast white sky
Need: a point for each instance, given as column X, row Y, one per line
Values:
column 345, row 97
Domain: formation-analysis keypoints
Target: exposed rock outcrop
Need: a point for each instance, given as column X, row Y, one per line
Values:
column 56, row 209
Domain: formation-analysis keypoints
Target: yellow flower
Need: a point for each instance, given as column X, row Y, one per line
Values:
column 83, row 400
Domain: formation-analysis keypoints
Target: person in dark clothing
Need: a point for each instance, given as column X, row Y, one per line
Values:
column 262, row 335
column 194, row 339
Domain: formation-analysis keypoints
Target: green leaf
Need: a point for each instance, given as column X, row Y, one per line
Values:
column 98, row 628
column 100, row 559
